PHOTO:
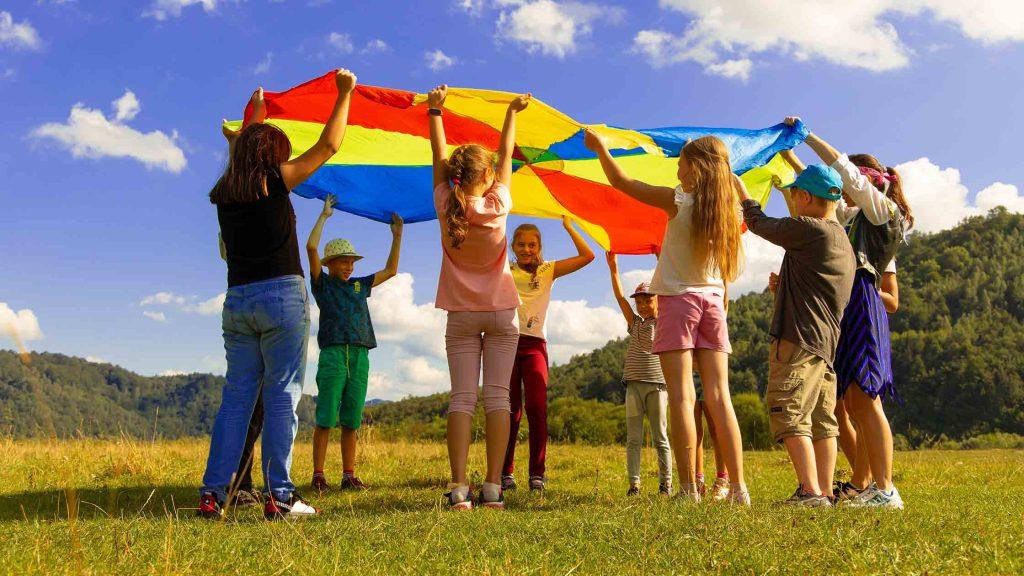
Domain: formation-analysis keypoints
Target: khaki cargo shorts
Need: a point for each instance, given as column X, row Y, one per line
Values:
column 801, row 393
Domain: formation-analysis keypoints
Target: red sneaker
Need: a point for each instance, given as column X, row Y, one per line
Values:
column 209, row 508
column 353, row 483
column 319, row 483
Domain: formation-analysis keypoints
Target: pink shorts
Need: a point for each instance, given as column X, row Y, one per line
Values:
column 691, row 320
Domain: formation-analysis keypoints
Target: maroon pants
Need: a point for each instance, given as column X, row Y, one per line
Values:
column 529, row 382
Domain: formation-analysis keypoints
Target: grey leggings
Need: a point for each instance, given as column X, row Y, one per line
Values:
column 650, row 399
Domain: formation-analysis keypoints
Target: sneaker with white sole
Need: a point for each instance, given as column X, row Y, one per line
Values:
column 875, row 497
column 293, row 507
column 803, row 499
column 739, row 498
column 843, row 491
column 689, row 493
column 457, row 501
column 720, row 489
column 498, row 504
column 209, row 507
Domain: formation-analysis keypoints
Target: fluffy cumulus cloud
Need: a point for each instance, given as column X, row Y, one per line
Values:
column 438, row 60
column 89, row 133
column 162, row 298
column 263, row 66
column 940, row 201
column 375, row 46
column 155, row 316
column 415, row 376
column 575, row 327
column 415, row 329
column 190, row 304
column 20, row 325
column 550, row 27
column 210, row 307
column 19, row 35
column 722, row 35
column 341, row 42
column 164, row 9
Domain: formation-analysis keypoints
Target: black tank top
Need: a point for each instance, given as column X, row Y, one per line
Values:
column 260, row 236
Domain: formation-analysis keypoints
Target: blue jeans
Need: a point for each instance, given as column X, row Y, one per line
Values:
column 266, row 332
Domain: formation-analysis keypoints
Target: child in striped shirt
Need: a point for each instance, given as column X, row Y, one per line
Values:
column 646, row 393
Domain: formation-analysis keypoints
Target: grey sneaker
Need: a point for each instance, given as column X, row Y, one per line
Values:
column 665, row 489
column 537, row 483
column 508, row 482
column 874, row 497
column 804, row 499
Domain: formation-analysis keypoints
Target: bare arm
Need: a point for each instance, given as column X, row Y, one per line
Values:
column 584, row 254
column 391, row 268
column 794, row 162
column 313, row 244
column 508, row 139
column 613, row 268
column 658, row 196
column 259, row 114
column 823, row 149
column 438, row 143
column 890, row 292
column 295, row 172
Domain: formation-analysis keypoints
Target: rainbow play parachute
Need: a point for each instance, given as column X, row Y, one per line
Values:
column 384, row 164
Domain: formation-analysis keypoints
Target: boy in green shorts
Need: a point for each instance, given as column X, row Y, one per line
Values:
column 345, row 338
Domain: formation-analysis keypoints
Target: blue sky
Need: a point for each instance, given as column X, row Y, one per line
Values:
column 108, row 244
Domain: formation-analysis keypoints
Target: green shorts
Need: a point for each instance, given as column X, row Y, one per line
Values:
column 341, row 379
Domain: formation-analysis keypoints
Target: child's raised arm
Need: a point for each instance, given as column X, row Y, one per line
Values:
column 584, row 254
column 794, row 162
column 295, row 172
column 658, row 196
column 391, row 268
column 313, row 244
column 508, row 139
column 613, row 268
column 438, row 143
column 259, row 114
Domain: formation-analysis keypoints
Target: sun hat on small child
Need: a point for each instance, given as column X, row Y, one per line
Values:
column 642, row 289
column 338, row 247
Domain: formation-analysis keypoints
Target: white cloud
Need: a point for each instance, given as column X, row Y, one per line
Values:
column 375, row 46
column 341, row 42
column 438, row 60
column 417, row 329
column 20, row 36
column 761, row 259
column 96, row 360
column 472, row 7
column 126, row 107
column 158, row 316
column 549, row 27
column 88, row 133
column 210, row 307
column 415, row 376
column 940, row 201
column 853, row 34
column 574, row 327
column 164, row 9
column 173, row 373
column 162, row 298
column 263, row 66
column 21, row 325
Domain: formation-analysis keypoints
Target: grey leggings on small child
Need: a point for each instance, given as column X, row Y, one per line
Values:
column 650, row 399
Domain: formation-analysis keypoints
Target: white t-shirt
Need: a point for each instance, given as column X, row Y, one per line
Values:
column 677, row 272
column 534, row 297
column 892, row 266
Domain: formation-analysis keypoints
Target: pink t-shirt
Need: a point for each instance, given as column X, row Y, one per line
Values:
column 475, row 276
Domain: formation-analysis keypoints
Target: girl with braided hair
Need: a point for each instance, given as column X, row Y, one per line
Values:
column 475, row 287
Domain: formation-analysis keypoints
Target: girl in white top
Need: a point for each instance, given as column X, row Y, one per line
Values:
column 534, row 277
column 700, row 253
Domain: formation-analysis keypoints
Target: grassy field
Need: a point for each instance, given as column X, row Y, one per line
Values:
column 126, row 507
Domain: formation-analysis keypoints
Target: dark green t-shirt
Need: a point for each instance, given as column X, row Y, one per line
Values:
column 344, row 315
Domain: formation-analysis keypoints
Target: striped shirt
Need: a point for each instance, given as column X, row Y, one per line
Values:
column 641, row 365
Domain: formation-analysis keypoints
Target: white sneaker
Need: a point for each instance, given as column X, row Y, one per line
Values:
column 874, row 497
column 689, row 493
column 720, row 489
column 294, row 507
column 739, row 498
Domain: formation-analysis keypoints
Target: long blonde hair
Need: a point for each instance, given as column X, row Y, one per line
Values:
column 467, row 165
column 715, row 228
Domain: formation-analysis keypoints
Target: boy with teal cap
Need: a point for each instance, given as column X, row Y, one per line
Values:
column 813, row 288
column 345, row 338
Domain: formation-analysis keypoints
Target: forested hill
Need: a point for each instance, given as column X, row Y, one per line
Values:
column 58, row 395
column 958, row 355
column 958, row 339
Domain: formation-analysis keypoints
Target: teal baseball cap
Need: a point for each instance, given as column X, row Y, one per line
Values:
column 819, row 180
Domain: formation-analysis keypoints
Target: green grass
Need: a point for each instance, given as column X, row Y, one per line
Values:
column 126, row 507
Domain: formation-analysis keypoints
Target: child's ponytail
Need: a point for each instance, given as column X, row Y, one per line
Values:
column 895, row 193
column 887, row 180
column 466, row 166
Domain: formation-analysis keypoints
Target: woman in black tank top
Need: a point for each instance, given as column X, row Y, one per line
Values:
column 266, row 308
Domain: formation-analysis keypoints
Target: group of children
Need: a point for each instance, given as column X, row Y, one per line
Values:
column 829, row 330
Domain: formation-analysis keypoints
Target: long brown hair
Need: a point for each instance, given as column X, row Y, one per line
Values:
column 715, row 229
column 259, row 151
column 467, row 165
column 895, row 191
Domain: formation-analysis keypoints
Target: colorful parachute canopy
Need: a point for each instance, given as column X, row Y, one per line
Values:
column 384, row 164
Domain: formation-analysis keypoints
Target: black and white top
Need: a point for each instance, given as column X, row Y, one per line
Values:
column 641, row 365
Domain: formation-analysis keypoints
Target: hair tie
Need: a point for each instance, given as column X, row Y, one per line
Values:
column 877, row 178
column 456, row 182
